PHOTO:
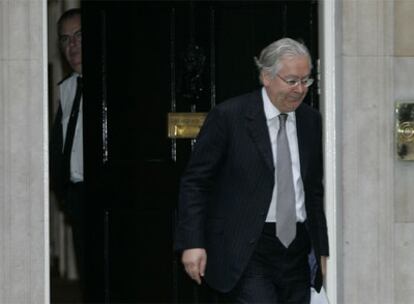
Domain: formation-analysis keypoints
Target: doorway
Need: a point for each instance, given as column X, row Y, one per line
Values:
column 143, row 60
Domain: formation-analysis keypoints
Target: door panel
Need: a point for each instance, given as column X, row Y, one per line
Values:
column 143, row 59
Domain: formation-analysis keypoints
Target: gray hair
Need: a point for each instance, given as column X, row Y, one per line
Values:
column 270, row 59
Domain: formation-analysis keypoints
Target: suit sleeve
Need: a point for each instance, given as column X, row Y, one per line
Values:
column 198, row 182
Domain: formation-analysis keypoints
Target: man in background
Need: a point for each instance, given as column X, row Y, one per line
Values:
column 66, row 149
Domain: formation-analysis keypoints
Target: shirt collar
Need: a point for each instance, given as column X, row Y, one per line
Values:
column 270, row 110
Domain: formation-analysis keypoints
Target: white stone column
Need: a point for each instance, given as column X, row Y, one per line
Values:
column 24, row 266
column 367, row 151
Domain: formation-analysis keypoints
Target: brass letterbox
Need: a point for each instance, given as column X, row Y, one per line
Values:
column 404, row 130
column 185, row 125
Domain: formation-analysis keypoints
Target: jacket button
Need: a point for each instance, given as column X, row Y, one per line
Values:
column 252, row 241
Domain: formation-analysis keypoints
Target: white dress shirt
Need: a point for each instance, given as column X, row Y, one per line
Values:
column 67, row 94
column 272, row 120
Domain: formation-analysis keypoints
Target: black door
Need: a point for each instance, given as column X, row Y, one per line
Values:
column 142, row 60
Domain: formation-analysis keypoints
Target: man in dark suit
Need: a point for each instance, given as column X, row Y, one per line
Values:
column 255, row 154
column 67, row 164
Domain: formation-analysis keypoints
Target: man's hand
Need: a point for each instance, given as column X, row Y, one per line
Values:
column 323, row 265
column 195, row 261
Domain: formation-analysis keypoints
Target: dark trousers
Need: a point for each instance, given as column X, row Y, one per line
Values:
column 87, row 222
column 74, row 207
column 276, row 274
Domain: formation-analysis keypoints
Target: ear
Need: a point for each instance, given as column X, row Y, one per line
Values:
column 266, row 79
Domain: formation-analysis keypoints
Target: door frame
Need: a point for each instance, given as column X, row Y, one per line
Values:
column 330, row 44
column 330, row 37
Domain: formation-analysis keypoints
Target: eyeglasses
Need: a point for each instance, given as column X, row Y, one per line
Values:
column 64, row 40
column 294, row 82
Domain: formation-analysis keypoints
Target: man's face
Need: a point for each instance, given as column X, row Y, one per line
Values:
column 285, row 97
column 70, row 39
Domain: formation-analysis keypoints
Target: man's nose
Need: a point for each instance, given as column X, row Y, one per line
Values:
column 301, row 87
column 73, row 40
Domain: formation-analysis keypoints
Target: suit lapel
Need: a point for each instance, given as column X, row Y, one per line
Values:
column 302, row 129
column 257, row 128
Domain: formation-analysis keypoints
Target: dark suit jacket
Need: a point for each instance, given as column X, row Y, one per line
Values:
column 226, row 190
column 56, row 156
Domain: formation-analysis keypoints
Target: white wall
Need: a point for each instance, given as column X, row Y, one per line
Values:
column 23, row 153
column 377, row 200
column 367, row 151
